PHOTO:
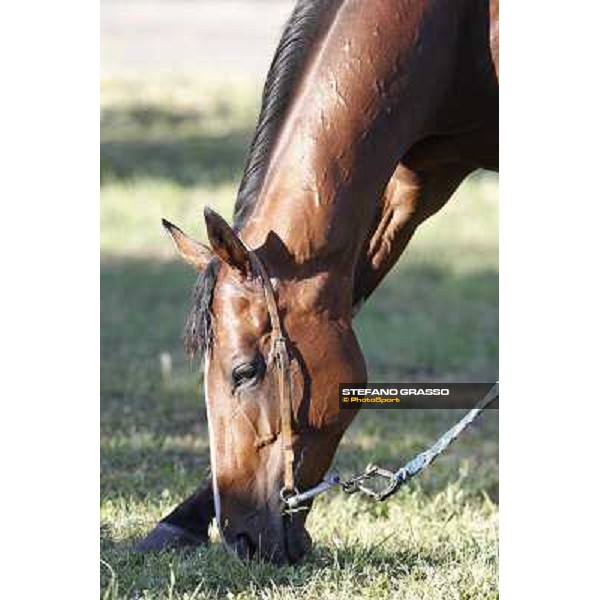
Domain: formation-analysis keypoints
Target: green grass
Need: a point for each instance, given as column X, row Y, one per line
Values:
column 168, row 147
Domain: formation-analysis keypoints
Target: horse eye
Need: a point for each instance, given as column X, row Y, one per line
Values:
column 246, row 372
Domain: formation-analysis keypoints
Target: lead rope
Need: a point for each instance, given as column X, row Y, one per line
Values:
column 400, row 477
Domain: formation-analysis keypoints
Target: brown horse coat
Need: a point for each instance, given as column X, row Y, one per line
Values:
column 373, row 114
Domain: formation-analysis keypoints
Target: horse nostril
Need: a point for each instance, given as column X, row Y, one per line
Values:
column 244, row 547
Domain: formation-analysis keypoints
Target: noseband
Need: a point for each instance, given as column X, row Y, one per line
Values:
column 281, row 358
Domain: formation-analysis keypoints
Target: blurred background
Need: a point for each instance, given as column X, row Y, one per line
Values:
column 180, row 92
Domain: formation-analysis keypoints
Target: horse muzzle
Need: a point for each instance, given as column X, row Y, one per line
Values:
column 278, row 538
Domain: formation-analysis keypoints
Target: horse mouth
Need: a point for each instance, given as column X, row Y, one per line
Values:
column 244, row 546
column 297, row 541
column 287, row 549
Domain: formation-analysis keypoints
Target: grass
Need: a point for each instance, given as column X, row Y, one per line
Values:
column 168, row 147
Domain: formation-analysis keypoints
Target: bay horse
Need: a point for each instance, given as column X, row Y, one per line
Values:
column 373, row 112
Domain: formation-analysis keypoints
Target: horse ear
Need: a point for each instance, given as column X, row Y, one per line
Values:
column 192, row 251
column 226, row 244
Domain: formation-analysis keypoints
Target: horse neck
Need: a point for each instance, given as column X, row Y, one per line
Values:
column 358, row 108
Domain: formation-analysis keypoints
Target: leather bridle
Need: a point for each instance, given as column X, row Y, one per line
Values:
column 281, row 359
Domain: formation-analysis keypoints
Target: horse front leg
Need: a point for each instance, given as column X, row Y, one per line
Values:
column 185, row 527
column 412, row 195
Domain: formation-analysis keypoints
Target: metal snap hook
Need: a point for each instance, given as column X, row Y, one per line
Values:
column 292, row 500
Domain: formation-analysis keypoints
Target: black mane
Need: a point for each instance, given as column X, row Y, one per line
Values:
column 284, row 75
